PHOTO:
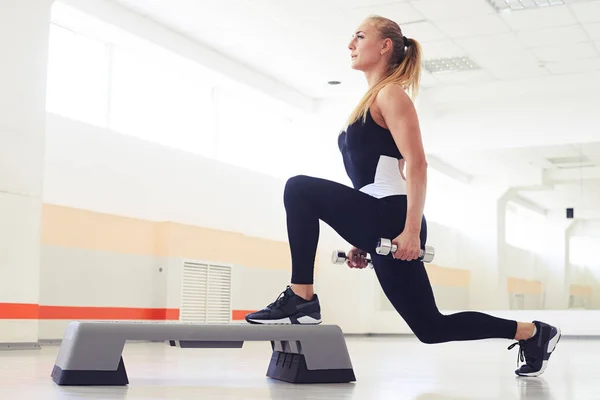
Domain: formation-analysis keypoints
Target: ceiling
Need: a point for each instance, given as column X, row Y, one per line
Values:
column 303, row 43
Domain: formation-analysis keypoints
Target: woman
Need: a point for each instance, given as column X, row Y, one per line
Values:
column 383, row 137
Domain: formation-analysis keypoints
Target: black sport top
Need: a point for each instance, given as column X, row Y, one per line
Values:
column 371, row 158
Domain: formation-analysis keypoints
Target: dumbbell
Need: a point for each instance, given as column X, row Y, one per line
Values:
column 340, row 257
column 384, row 247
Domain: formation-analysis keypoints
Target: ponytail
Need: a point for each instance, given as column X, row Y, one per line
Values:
column 404, row 69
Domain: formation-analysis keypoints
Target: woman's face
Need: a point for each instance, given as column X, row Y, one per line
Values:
column 367, row 49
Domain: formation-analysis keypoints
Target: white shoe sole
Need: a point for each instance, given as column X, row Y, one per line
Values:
column 305, row 320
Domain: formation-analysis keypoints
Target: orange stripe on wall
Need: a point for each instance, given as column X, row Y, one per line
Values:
column 522, row 286
column 70, row 227
column 580, row 290
column 108, row 313
column 239, row 315
column 188, row 241
column 19, row 311
column 443, row 276
column 34, row 312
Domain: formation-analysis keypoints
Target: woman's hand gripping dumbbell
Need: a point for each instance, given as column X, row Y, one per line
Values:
column 385, row 247
column 357, row 258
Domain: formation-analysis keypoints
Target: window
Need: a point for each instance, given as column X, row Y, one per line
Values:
column 106, row 76
column 77, row 84
column 103, row 75
column 163, row 98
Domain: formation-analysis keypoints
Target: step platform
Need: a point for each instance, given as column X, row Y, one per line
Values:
column 91, row 352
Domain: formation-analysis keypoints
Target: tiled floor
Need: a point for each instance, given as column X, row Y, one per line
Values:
column 386, row 368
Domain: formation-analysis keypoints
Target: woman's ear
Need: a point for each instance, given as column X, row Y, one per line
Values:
column 388, row 45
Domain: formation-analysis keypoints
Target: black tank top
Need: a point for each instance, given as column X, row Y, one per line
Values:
column 371, row 158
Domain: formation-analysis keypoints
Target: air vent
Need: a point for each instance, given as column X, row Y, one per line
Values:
column 449, row 64
column 576, row 166
column 205, row 293
column 517, row 5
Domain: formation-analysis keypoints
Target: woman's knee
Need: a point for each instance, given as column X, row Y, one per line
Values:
column 430, row 330
column 428, row 336
column 295, row 186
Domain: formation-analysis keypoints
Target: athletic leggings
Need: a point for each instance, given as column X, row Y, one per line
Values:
column 361, row 220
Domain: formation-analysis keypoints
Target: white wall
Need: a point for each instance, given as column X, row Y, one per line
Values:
column 101, row 170
column 23, row 25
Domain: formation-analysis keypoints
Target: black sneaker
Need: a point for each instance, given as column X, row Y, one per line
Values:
column 288, row 308
column 536, row 351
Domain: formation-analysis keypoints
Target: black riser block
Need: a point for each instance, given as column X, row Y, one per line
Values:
column 91, row 378
column 291, row 367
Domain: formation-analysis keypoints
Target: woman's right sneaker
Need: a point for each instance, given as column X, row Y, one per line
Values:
column 288, row 308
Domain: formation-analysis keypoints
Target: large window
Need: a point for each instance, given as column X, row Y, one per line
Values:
column 162, row 98
column 106, row 76
column 145, row 92
column 77, row 76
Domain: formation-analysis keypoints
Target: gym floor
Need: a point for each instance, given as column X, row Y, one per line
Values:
column 386, row 368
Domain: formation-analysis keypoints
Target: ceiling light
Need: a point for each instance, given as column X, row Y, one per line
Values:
column 515, row 5
column 568, row 160
column 449, row 64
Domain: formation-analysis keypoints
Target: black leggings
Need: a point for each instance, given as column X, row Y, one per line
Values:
column 361, row 220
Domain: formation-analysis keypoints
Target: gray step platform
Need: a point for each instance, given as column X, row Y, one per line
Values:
column 91, row 352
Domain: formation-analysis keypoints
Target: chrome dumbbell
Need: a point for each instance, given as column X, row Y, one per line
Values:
column 340, row 257
column 385, row 247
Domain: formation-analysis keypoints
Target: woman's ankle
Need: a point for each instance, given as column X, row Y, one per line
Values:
column 304, row 291
column 525, row 330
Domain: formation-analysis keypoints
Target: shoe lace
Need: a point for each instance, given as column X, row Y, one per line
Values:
column 525, row 353
column 281, row 299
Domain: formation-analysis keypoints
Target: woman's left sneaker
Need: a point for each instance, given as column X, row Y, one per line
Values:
column 536, row 351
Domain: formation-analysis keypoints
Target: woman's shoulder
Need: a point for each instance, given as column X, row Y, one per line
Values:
column 392, row 93
column 391, row 100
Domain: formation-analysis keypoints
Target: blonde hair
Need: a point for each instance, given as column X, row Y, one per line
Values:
column 404, row 68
